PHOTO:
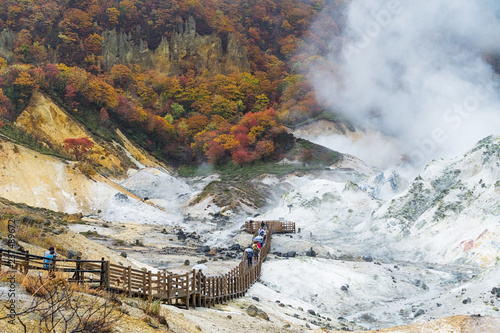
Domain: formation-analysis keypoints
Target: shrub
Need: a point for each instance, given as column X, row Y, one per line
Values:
column 63, row 307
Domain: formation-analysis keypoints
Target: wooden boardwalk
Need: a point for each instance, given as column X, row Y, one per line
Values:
column 278, row 227
column 189, row 289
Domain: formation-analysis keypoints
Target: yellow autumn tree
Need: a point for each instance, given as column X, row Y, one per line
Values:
column 228, row 141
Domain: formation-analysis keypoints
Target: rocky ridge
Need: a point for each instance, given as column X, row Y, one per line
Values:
column 185, row 49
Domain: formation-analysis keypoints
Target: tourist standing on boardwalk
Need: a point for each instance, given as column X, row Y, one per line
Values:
column 256, row 250
column 249, row 254
column 49, row 255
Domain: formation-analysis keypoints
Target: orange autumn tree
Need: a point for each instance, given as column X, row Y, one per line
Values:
column 252, row 138
column 78, row 146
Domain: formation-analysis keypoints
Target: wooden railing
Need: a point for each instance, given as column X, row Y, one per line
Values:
column 277, row 226
column 83, row 270
column 191, row 288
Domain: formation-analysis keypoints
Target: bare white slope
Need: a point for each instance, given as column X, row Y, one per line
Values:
column 44, row 181
column 436, row 244
column 449, row 214
column 47, row 182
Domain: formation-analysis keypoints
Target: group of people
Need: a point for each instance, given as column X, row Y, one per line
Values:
column 253, row 250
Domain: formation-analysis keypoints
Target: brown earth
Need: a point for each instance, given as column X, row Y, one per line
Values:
column 46, row 121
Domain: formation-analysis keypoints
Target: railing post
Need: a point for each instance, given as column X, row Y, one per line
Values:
column 158, row 282
column 224, row 287
column 77, row 270
column 108, row 268
column 150, row 281
column 247, row 279
column 218, row 289
column 237, row 281
column 169, row 287
column 235, row 275
column 26, row 262
column 207, row 288
column 163, row 286
column 203, row 298
column 213, row 289
column 187, row 291
column 103, row 273
column 144, row 285
column 164, row 281
column 129, row 280
column 210, row 288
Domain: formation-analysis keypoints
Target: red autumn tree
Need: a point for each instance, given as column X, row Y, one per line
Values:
column 264, row 148
column 215, row 152
column 103, row 117
column 306, row 156
column 78, row 146
column 6, row 108
column 241, row 156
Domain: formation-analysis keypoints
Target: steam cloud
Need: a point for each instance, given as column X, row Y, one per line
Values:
column 414, row 76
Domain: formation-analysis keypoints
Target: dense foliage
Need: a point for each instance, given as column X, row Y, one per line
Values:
column 192, row 117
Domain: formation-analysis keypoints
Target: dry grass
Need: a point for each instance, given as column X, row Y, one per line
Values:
column 82, row 299
column 86, row 168
column 152, row 308
column 49, row 282
column 41, row 287
column 32, row 234
column 8, row 212
column 36, row 236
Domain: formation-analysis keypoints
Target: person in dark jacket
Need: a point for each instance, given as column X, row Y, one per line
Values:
column 249, row 254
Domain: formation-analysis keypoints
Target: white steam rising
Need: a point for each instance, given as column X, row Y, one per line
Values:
column 415, row 71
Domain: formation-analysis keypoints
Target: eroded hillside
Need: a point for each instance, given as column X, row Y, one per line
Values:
column 36, row 179
column 46, row 121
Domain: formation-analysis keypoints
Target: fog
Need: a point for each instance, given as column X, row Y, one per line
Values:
column 414, row 76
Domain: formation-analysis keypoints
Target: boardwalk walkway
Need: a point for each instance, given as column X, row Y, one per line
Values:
column 189, row 289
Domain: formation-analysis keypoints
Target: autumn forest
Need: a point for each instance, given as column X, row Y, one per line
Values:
column 196, row 116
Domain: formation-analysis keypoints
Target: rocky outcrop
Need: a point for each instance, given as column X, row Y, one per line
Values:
column 185, row 49
column 7, row 38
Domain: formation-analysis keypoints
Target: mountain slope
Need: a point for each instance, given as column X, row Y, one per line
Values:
column 45, row 181
column 39, row 180
column 45, row 120
column 449, row 214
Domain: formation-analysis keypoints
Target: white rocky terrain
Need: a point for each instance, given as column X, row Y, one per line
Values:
column 429, row 252
column 372, row 249
column 364, row 261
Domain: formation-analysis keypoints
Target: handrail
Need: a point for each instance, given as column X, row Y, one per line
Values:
column 252, row 226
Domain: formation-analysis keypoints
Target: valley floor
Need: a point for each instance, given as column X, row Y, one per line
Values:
column 344, row 293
